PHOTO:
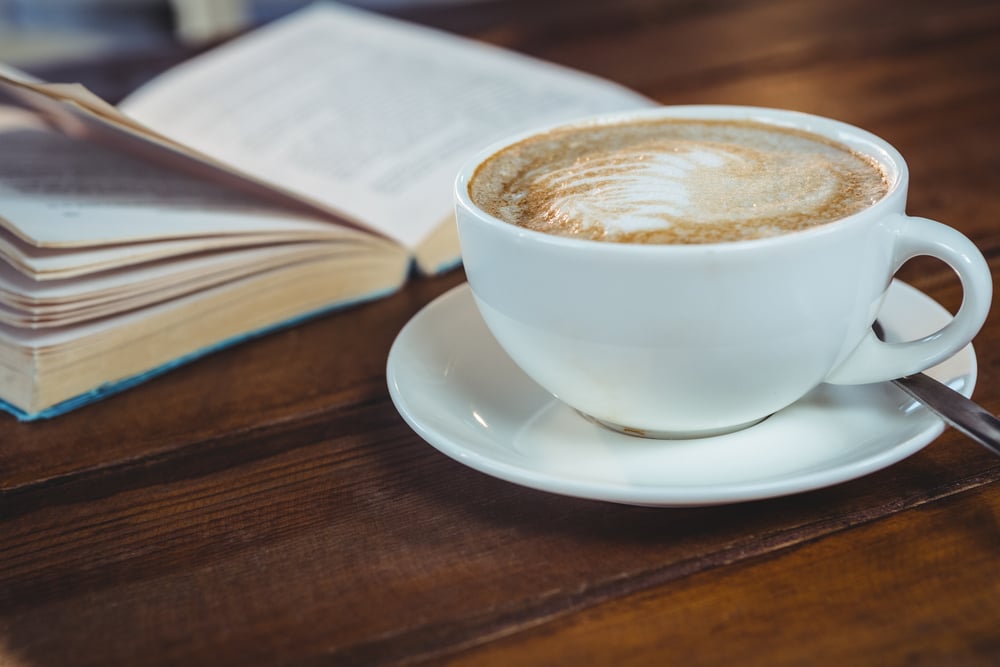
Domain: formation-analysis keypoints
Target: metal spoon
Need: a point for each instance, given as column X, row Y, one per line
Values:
column 951, row 406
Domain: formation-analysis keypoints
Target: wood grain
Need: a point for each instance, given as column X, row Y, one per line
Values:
column 267, row 505
column 886, row 596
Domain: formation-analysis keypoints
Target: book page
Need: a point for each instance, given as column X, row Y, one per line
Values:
column 364, row 114
column 60, row 191
column 19, row 291
column 28, row 303
column 77, row 112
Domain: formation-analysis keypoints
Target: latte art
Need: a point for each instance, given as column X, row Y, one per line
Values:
column 675, row 181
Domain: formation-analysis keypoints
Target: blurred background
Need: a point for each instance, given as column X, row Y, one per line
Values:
column 40, row 33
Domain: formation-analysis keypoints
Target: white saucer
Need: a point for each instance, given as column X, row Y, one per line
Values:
column 460, row 392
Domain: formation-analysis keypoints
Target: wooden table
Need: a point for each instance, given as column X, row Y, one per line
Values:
column 267, row 505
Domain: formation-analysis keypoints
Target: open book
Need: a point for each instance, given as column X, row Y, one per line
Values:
column 303, row 167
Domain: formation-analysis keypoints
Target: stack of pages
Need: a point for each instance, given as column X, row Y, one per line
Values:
column 303, row 167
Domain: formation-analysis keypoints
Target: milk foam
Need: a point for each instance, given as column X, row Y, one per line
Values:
column 676, row 181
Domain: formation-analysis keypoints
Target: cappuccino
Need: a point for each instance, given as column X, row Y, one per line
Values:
column 675, row 180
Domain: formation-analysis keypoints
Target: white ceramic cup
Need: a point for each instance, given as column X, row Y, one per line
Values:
column 695, row 340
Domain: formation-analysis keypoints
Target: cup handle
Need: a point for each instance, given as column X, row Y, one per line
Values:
column 877, row 361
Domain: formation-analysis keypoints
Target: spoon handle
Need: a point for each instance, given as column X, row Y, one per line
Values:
column 954, row 408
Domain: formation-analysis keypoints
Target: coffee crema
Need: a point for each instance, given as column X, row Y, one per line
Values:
column 676, row 181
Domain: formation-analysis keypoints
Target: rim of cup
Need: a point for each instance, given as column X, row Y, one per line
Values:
column 856, row 138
